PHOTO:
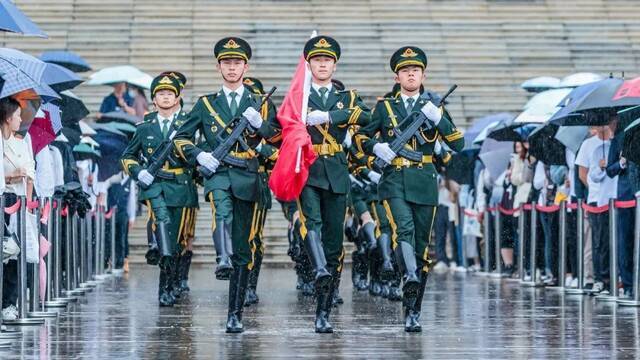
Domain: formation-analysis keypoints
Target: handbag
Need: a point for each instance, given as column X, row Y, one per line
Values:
column 32, row 247
column 10, row 247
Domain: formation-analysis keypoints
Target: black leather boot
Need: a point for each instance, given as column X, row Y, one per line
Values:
column 395, row 294
column 237, row 290
column 406, row 259
column 164, row 243
column 153, row 253
column 164, row 289
column 414, row 308
column 176, row 291
column 324, row 300
column 387, row 272
column 223, row 257
column 314, row 249
column 185, row 265
column 252, row 296
column 336, row 299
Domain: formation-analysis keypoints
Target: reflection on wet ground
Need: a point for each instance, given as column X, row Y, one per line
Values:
column 464, row 316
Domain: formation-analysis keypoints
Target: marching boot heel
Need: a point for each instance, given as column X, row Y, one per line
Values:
column 237, row 290
column 406, row 258
column 223, row 259
column 387, row 272
column 313, row 245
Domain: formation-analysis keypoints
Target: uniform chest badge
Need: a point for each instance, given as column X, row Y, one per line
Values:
column 149, row 150
column 390, row 133
column 340, row 105
column 214, row 128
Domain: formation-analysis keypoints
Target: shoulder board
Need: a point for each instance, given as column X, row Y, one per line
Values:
column 148, row 117
column 212, row 95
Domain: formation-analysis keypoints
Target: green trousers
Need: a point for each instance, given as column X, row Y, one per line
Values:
column 243, row 218
column 323, row 211
column 174, row 217
column 411, row 223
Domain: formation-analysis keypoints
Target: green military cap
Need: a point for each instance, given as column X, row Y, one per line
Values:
column 322, row 45
column 254, row 85
column 232, row 48
column 178, row 75
column 408, row 55
column 165, row 82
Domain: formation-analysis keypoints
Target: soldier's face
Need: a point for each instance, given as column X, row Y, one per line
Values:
column 410, row 77
column 232, row 70
column 165, row 99
column 322, row 67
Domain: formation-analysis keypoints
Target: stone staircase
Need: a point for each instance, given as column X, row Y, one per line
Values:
column 487, row 47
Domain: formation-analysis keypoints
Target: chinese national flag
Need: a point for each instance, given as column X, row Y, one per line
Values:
column 291, row 170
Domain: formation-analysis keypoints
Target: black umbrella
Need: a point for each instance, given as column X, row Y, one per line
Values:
column 544, row 146
column 631, row 147
column 460, row 168
column 118, row 116
column 112, row 146
column 611, row 93
column 73, row 134
column 568, row 115
column 626, row 117
column 73, row 109
column 511, row 131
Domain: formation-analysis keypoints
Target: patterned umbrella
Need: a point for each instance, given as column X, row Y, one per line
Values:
column 66, row 59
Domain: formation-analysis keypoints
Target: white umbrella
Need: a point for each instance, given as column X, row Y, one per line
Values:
column 119, row 74
column 542, row 106
column 578, row 79
column 540, row 83
column 85, row 129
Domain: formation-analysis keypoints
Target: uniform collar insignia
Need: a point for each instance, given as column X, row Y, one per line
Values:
column 409, row 53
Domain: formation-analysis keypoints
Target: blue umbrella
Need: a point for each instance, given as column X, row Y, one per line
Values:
column 14, row 20
column 66, row 59
column 567, row 115
column 53, row 75
column 112, row 146
column 15, row 80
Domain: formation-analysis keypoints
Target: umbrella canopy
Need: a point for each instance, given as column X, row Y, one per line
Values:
column 541, row 83
column 544, row 146
column 542, row 106
column 482, row 136
column 631, row 147
column 460, row 168
column 14, row 20
column 72, row 134
column 611, row 93
column 85, row 129
column 119, row 74
column 125, row 128
column 41, row 131
column 73, row 109
column 579, row 79
column 66, row 59
column 119, row 116
column 85, row 151
column 15, row 80
column 566, row 114
column 480, row 124
column 111, row 146
column 627, row 116
column 495, row 155
column 572, row 136
column 511, row 131
column 57, row 77
column 108, row 127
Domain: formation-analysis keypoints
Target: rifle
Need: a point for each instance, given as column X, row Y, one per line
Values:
column 416, row 121
column 238, row 126
column 159, row 157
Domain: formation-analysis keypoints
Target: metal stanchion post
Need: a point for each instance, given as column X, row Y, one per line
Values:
column 461, row 244
column 23, row 316
column 562, row 251
column 613, row 255
column 112, row 224
column 580, row 251
column 37, row 306
column 487, row 244
column 533, row 248
column 521, row 237
column 50, row 294
column 58, row 294
column 84, row 271
column 90, row 236
column 75, row 263
column 6, row 333
column 497, row 236
column 635, row 301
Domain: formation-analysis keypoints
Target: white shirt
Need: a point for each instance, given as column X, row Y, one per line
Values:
column 405, row 97
column 588, row 157
column 18, row 153
column 45, row 181
column 3, row 185
column 161, row 120
column 227, row 91
column 608, row 186
column 570, row 158
column 58, row 166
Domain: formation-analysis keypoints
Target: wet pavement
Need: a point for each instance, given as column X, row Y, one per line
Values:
column 464, row 316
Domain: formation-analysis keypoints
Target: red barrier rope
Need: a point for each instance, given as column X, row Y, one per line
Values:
column 628, row 204
column 13, row 208
column 46, row 211
column 65, row 211
column 595, row 209
column 508, row 212
column 32, row 204
column 547, row 209
column 110, row 213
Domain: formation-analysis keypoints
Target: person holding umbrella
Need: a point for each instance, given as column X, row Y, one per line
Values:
column 118, row 100
column 170, row 193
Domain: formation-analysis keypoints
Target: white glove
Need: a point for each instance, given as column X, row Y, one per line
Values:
column 432, row 112
column 384, row 152
column 374, row 176
column 437, row 148
column 254, row 117
column 317, row 117
column 347, row 141
column 207, row 160
column 145, row 178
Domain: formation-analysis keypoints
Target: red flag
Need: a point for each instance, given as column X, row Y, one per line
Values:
column 41, row 131
column 291, row 170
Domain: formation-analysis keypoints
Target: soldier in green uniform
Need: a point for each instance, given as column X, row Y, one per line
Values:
column 408, row 189
column 322, row 203
column 169, row 194
column 234, row 190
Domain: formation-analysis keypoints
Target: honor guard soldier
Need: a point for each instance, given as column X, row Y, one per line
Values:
column 408, row 188
column 323, row 200
column 232, row 184
column 170, row 192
